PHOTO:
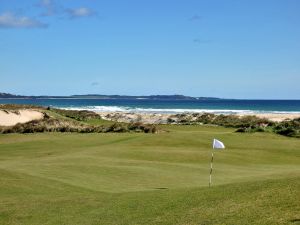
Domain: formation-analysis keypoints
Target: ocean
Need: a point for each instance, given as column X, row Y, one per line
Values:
column 167, row 106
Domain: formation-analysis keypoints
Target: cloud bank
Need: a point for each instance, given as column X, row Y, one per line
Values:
column 10, row 20
column 50, row 8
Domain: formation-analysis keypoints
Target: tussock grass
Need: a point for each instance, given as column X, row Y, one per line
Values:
column 20, row 106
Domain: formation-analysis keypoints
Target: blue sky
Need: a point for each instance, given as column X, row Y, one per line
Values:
column 231, row 49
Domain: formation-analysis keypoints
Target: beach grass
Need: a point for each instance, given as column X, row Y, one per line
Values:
column 137, row 178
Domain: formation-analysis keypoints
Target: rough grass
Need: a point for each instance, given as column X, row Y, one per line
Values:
column 84, row 121
column 20, row 106
column 245, row 124
column 135, row 178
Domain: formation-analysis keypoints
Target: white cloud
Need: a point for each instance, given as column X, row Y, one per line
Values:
column 49, row 6
column 80, row 12
column 10, row 20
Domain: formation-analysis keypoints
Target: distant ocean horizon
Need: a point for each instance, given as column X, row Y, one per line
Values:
column 224, row 106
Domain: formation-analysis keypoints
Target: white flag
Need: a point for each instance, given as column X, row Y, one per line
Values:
column 218, row 144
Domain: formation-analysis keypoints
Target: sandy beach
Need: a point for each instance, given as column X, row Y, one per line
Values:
column 276, row 117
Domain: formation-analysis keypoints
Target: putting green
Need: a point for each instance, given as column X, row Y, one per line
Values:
column 130, row 178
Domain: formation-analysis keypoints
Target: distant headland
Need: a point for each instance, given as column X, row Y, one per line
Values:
column 98, row 96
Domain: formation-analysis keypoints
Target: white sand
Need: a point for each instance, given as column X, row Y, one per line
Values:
column 23, row 116
column 278, row 117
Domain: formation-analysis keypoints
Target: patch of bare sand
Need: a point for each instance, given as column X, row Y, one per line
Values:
column 11, row 118
column 278, row 117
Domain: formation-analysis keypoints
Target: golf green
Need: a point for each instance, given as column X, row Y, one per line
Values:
column 135, row 178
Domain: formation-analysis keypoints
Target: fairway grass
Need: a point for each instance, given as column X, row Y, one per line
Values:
column 133, row 178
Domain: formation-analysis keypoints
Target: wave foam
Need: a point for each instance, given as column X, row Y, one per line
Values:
column 169, row 110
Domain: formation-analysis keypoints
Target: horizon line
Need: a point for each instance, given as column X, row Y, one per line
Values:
column 126, row 95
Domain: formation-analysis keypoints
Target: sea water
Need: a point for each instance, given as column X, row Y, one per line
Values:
column 224, row 106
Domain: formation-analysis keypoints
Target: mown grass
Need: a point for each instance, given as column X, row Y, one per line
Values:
column 136, row 178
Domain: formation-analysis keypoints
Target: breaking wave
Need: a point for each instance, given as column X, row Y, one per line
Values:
column 172, row 111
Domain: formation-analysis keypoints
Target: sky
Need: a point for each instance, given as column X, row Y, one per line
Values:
column 246, row 49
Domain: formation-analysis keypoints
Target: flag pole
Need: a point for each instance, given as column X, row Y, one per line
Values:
column 216, row 145
column 211, row 167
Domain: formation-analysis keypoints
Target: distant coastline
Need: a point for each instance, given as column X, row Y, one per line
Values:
column 98, row 96
column 165, row 104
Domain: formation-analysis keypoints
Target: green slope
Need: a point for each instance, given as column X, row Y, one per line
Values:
column 149, row 178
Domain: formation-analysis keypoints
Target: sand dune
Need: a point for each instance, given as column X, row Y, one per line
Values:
column 10, row 118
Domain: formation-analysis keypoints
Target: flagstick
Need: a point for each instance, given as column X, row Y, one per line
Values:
column 211, row 167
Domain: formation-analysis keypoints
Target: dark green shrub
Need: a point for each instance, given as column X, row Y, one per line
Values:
column 81, row 115
column 241, row 130
column 288, row 131
column 117, row 127
column 170, row 120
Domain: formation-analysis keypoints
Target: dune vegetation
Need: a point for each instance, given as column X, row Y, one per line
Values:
column 249, row 124
column 59, row 120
